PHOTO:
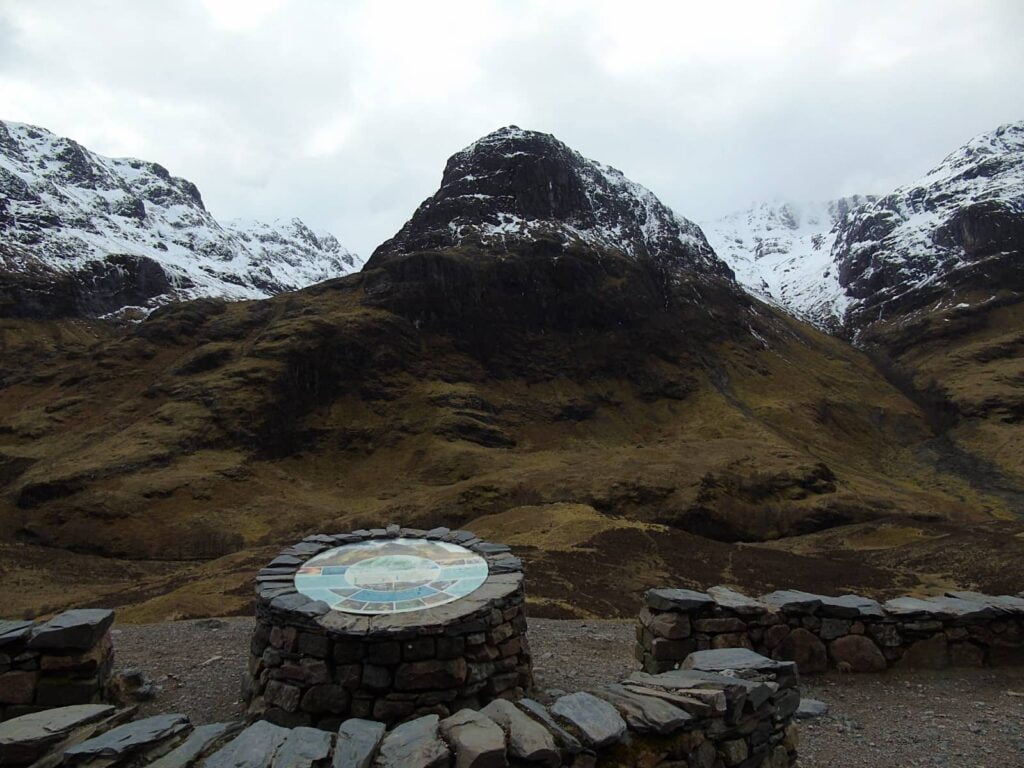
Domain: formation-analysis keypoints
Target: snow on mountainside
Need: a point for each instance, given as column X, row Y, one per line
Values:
column 514, row 185
column 958, row 229
column 782, row 251
column 77, row 215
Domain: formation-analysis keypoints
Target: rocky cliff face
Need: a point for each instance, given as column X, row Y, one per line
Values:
column 85, row 234
column 958, row 230
column 782, row 251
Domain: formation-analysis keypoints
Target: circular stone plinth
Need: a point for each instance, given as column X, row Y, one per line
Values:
column 387, row 623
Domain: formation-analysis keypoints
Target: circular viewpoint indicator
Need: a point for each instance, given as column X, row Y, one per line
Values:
column 391, row 575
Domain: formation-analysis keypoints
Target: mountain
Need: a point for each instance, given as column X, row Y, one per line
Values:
column 956, row 232
column 85, row 234
column 589, row 384
column 782, row 251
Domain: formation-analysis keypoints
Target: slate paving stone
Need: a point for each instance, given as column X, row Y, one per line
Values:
column 79, row 628
column 596, row 720
column 252, row 748
column 201, row 740
column 357, row 743
column 128, row 740
column 415, row 744
column 1005, row 603
column 526, row 738
column 742, row 660
column 793, row 601
column 737, row 602
column 478, row 741
column 850, row 607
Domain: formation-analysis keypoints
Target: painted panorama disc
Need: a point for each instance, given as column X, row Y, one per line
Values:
column 391, row 575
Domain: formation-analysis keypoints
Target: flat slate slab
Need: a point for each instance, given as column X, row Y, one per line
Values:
column 23, row 739
column 1005, row 603
column 569, row 743
column 252, row 748
column 595, row 719
column 414, row 744
column 793, row 601
column 849, row 607
column 199, row 741
column 737, row 602
column 303, row 748
column 357, row 743
column 677, row 599
column 478, row 741
column 128, row 739
column 940, row 608
column 526, row 738
column 743, row 660
column 79, row 628
column 645, row 714
column 14, row 631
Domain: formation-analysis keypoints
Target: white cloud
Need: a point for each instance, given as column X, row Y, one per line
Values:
column 344, row 113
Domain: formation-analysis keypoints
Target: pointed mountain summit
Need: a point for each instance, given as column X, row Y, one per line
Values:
column 515, row 187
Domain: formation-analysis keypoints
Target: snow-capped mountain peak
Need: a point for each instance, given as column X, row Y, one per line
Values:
column 68, row 210
column 514, row 186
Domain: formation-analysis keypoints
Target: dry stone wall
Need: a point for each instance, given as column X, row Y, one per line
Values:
column 727, row 709
column 66, row 660
column 818, row 632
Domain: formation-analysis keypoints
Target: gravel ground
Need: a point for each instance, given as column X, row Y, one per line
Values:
column 962, row 718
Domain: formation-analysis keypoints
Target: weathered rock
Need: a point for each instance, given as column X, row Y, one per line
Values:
column 526, row 738
column 414, row 744
column 1005, row 603
column 252, row 748
column 18, row 687
column 596, row 720
column 303, row 748
column 569, row 743
column 858, row 652
column 677, row 599
column 357, row 743
column 14, row 631
column 696, row 701
column 24, row 739
column 733, row 751
column 201, row 740
column 127, row 740
column 430, row 675
column 805, row 649
column 79, row 628
column 932, row 653
column 670, row 625
column 478, row 741
column 810, row 708
column 645, row 714
column 849, row 607
column 832, row 628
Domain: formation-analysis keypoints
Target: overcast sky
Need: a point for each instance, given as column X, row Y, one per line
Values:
column 343, row 113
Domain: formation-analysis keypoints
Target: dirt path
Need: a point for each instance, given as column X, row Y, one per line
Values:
column 963, row 718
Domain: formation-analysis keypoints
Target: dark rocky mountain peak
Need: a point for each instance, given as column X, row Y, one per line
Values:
column 515, row 186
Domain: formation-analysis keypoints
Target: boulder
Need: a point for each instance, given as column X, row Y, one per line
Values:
column 932, row 653
column 804, row 648
column 478, row 741
column 858, row 652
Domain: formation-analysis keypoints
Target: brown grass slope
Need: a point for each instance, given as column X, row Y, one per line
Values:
column 691, row 437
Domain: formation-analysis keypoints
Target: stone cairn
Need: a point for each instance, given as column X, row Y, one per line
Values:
column 310, row 665
column 850, row 633
column 66, row 660
column 727, row 709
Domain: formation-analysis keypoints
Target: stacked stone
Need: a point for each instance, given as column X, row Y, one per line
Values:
column 850, row 632
column 698, row 717
column 66, row 660
column 310, row 665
